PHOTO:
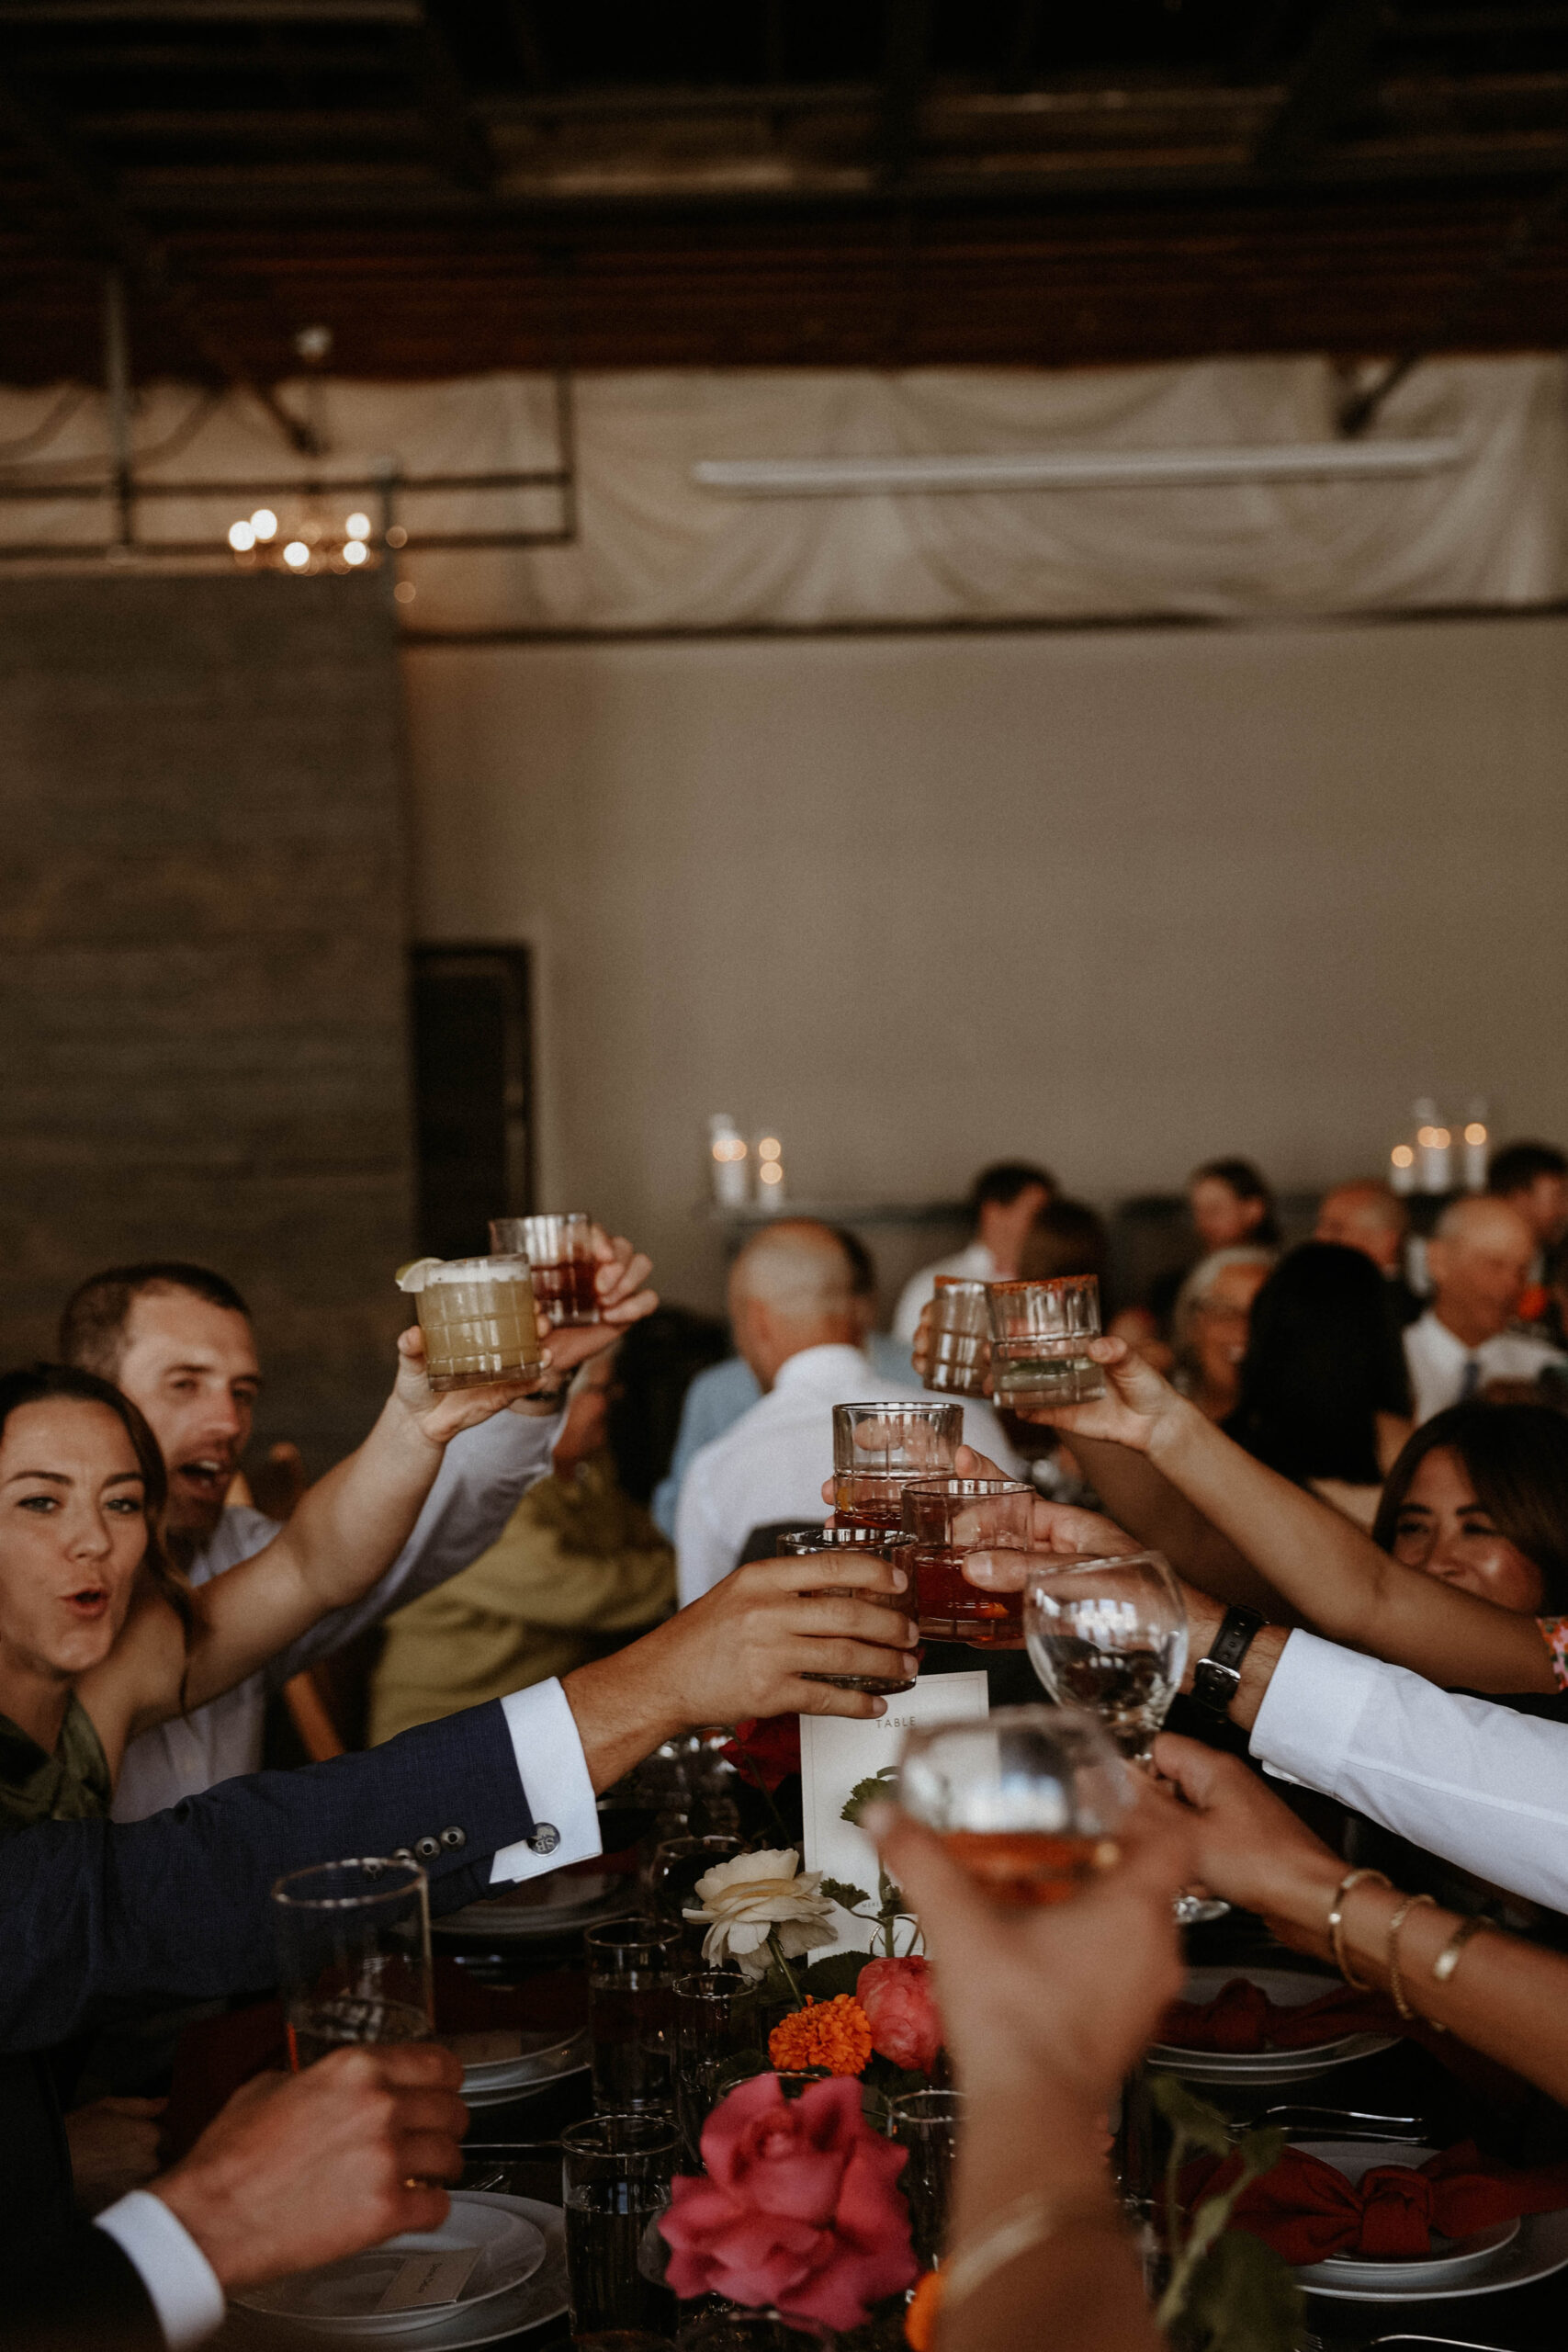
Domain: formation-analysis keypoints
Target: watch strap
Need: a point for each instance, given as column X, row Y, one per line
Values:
column 1215, row 1681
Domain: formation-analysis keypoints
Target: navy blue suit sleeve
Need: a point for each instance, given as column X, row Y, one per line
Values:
column 179, row 1905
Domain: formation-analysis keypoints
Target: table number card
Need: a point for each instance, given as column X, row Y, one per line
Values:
column 837, row 1752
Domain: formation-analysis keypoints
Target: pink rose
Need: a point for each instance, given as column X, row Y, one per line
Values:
column 901, row 2010
column 797, row 2212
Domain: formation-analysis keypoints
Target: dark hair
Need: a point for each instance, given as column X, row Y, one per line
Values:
column 1516, row 1166
column 35, row 1383
column 1004, row 1181
column 1066, row 1238
column 1246, row 1183
column 92, row 1329
column 1323, row 1359
column 1517, row 1456
column 862, row 1266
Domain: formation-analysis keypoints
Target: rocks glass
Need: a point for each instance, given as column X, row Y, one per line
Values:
column 1027, row 1800
column 1038, row 1330
column 718, row 2020
column 615, row 2176
column 632, row 1966
column 959, row 1336
column 560, row 1252
column 879, row 1447
column 677, row 1864
column 947, row 1518
column 805, row 1543
column 477, row 1315
column 927, row 2123
column 353, row 1956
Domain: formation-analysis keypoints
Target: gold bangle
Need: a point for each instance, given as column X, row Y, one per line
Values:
column 1395, row 1982
column 1447, row 1959
column 1337, row 1923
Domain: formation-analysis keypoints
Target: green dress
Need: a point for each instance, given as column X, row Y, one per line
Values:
column 72, row 1784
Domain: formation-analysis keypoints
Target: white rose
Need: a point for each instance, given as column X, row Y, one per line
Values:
column 756, row 1895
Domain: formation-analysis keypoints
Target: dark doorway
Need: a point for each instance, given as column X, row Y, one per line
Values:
column 473, row 1075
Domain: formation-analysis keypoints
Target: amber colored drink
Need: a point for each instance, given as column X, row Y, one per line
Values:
column 870, row 1499
column 954, row 1610
column 478, row 1329
column 567, row 1293
column 1026, row 1867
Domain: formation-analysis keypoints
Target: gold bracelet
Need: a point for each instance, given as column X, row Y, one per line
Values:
column 1337, row 1923
column 1027, row 2223
column 1395, row 1982
column 1447, row 1959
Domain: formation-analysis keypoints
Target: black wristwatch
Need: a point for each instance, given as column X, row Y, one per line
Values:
column 1218, row 1676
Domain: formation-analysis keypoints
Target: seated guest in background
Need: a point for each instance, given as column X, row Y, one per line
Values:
column 1368, row 1216
column 721, row 1394
column 1064, row 1238
column 177, row 1340
column 1230, row 1204
column 1323, row 1396
column 1480, row 1498
column 797, row 1323
column 1478, row 1262
column 580, row 1569
column 1208, row 1327
column 1004, row 1202
column 1533, row 1179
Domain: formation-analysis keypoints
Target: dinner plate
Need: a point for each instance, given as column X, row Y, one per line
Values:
column 555, row 1906
column 330, row 2301
column 475, row 2101
column 530, row 2058
column 1289, row 1988
column 1418, row 2275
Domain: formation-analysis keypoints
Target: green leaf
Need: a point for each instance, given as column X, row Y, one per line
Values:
column 848, row 1897
column 836, row 1972
column 1191, row 2118
column 1242, row 2298
column 864, row 1792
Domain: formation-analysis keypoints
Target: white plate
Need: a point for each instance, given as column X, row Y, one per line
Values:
column 477, row 2101
column 1418, row 2275
column 1289, row 1988
column 528, row 2304
column 545, row 1907
column 1534, row 2249
column 539, row 2058
column 513, row 2249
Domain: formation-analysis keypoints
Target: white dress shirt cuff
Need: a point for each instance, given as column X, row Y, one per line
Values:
column 554, row 1773
column 179, row 2279
column 1315, row 1700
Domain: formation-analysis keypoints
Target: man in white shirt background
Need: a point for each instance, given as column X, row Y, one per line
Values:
column 796, row 1323
column 1004, row 1199
column 1479, row 1262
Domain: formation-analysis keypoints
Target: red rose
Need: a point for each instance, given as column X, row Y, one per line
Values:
column 798, row 2212
column 765, row 1750
column 901, row 2010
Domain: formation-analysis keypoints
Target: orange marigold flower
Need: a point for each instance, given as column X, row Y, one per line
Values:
column 920, row 2320
column 835, row 2034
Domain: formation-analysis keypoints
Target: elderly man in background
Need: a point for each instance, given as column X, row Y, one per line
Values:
column 1367, row 1215
column 1479, row 1261
column 792, row 1307
column 1005, row 1200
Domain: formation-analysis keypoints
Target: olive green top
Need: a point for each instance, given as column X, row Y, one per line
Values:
column 72, row 1784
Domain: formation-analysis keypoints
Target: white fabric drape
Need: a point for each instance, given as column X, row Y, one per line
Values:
column 654, row 552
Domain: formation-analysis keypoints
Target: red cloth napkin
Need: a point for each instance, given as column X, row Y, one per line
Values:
column 1241, row 2016
column 1306, row 2210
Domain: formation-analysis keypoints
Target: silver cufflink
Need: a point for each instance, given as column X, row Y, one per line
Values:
column 546, row 1838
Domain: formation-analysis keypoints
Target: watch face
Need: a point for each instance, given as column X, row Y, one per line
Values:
column 1214, row 1685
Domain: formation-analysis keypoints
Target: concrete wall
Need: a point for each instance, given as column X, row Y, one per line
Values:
column 202, row 917
column 1122, row 900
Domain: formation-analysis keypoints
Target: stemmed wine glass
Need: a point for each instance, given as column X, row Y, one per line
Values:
column 1109, row 1634
column 1027, row 1800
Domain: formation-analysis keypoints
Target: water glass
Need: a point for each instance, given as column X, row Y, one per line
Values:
column 805, row 1543
column 718, row 2020
column 677, row 1863
column 1038, row 1331
column 1027, row 1798
column 561, row 1250
column 615, row 2176
column 353, row 1956
column 879, row 1447
column 958, row 1336
column 632, row 1967
column 947, row 1518
column 927, row 2123
column 477, row 1315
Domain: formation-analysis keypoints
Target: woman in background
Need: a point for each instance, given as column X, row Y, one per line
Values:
column 1230, row 1204
column 1211, row 1326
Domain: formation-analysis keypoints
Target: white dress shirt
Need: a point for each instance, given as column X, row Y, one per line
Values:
column 485, row 1475
column 1437, row 1360
column 973, row 1264
column 1475, row 1783
column 180, row 2281
column 771, row 1463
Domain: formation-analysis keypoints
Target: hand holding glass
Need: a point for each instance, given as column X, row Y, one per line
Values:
column 879, row 1448
column 1028, row 1799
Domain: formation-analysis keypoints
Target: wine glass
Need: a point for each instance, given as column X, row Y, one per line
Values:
column 1109, row 1633
column 1027, row 1798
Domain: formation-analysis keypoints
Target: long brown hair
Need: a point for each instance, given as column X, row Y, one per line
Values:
column 35, row 1384
column 1517, row 1456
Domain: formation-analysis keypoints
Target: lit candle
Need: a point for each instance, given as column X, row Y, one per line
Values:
column 1435, row 1146
column 1401, row 1169
column 770, row 1172
column 728, row 1157
column 1476, row 1142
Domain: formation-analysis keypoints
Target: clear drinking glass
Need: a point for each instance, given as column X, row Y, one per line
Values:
column 560, row 1252
column 1038, row 1330
column 677, row 1863
column 477, row 1315
column 1027, row 1798
column 803, row 1542
column 947, row 1518
column 718, row 2019
column 878, row 1448
column 959, row 1336
column 615, row 2176
column 928, row 2123
column 632, row 1967
column 353, row 1956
